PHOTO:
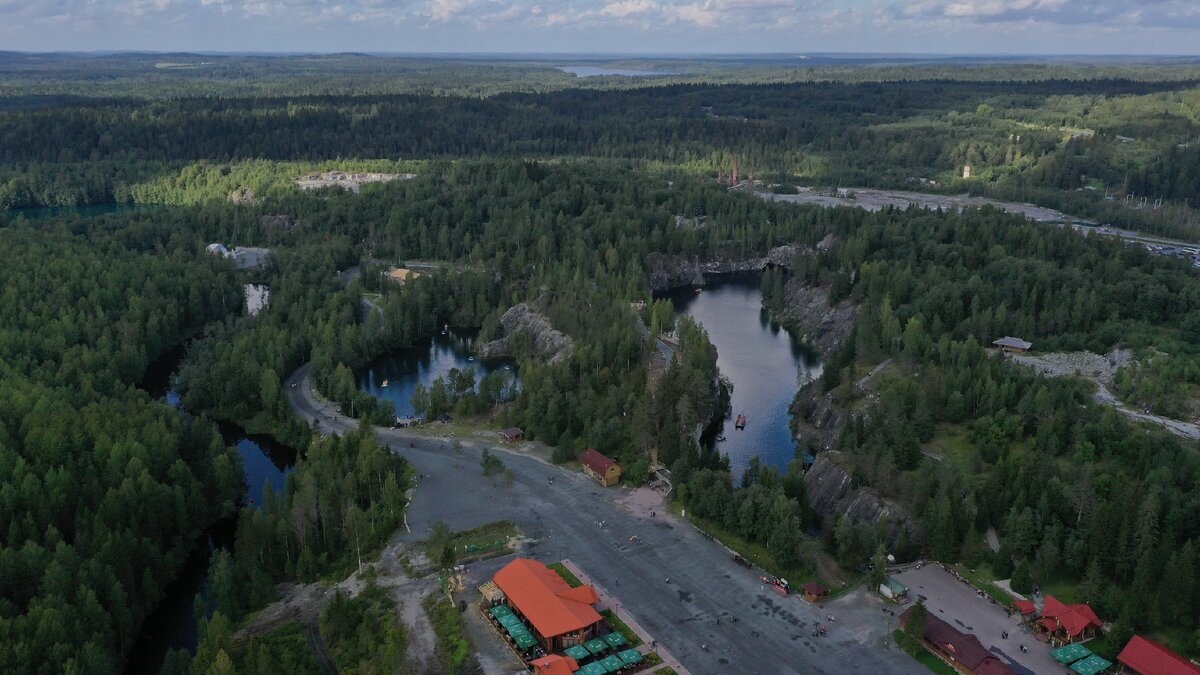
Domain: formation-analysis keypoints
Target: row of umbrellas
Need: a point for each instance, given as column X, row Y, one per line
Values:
column 612, row 663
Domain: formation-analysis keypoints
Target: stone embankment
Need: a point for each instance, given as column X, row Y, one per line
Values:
column 551, row 343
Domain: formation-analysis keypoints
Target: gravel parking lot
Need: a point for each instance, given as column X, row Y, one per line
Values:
column 960, row 605
column 771, row 635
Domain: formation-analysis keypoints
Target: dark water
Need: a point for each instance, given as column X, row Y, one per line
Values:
column 594, row 71
column 429, row 360
column 88, row 211
column 173, row 623
column 762, row 360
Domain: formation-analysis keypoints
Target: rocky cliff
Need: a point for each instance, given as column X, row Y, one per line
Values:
column 832, row 493
column 807, row 313
column 665, row 272
column 817, row 417
column 551, row 343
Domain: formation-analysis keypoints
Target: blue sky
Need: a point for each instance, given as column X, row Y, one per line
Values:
column 644, row 26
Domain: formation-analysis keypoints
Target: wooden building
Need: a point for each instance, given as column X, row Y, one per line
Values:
column 513, row 435
column 559, row 616
column 1065, row 624
column 963, row 651
column 603, row 469
column 1012, row 344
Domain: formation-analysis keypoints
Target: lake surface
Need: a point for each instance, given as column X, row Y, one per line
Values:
column 766, row 365
column 88, row 211
column 172, row 625
column 430, row 359
column 595, row 71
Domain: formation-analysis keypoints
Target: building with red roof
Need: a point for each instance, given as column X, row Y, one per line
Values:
column 600, row 467
column 1025, row 607
column 1147, row 657
column 554, row 665
column 962, row 650
column 559, row 615
column 1068, row 623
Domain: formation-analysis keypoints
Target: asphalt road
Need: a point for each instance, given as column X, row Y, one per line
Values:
column 706, row 592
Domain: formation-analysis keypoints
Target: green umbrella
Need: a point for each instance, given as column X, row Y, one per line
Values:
column 501, row 610
column 631, row 656
column 592, row 669
column 615, row 640
column 1070, row 653
column 509, row 620
column 612, row 664
column 577, row 652
column 524, row 641
column 596, row 646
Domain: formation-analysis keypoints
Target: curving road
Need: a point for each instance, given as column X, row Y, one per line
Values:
column 707, row 591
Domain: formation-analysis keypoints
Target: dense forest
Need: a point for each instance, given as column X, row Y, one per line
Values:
column 1063, row 143
column 83, row 452
column 531, row 190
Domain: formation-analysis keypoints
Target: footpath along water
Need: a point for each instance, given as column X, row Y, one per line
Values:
column 765, row 364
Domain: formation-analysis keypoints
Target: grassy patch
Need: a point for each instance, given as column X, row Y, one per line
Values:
column 666, row 670
column 621, row 627
column 952, row 441
column 572, row 580
column 453, row 647
column 480, row 542
column 982, row 579
column 921, row 654
column 754, row 552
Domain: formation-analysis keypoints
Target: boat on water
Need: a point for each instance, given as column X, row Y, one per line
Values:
column 740, row 422
column 385, row 383
column 720, row 439
column 508, row 367
column 470, row 358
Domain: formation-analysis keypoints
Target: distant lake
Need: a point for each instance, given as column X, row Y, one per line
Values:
column 87, row 211
column 595, row 71
column 427, row 361
column 765, row 364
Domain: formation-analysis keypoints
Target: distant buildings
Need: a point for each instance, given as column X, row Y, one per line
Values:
column 401, row 275
column 966, row 171
column 1012, row 344
column 244, row 257
column 348, row 181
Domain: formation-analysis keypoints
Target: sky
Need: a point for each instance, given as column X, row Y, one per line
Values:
column 608, row 26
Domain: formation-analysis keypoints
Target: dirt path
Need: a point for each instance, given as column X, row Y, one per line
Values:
column 1101, row 370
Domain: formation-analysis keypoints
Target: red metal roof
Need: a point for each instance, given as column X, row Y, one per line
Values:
column 596, row 461
column 1024, row 606
column 554, row 665
column 1073, row 618
column 1150, row 658
column 550, row 604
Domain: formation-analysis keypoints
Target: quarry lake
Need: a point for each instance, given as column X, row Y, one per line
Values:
column 172, row 625
column 765, row 364
column 430, row 359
